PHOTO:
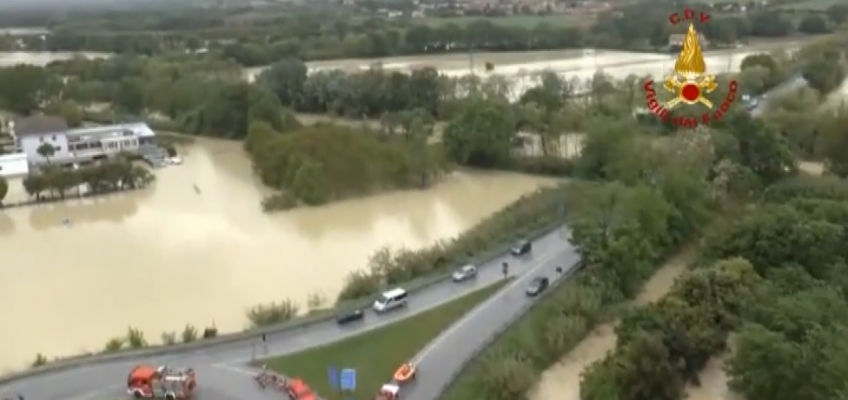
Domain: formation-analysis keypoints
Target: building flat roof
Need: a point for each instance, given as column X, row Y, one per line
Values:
column 39, row 125
column 14, row 164
column 139, row 129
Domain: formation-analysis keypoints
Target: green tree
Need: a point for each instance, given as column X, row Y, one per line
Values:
column 481, row 134
column 129, row 96
column 46, row 150
column 838, row 13
column 813, row 24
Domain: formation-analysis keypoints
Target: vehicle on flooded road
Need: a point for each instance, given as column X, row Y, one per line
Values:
column 465, row 273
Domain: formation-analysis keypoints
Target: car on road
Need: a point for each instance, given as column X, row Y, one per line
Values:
column 465, row 273
column 389, row 391
column 348, row 316
column 537, row 286
column 390, row 300
column 521, row 247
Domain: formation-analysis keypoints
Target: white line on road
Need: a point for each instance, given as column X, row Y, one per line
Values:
column 482, row 307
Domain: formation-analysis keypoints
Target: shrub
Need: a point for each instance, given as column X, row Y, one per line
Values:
column 189, row 333
column 135, row 338
column 210, row 332
column 279, row 202
column 169, row 338
column 114, row 345
column 40, row 360
column 316, row 301
column 272, row 313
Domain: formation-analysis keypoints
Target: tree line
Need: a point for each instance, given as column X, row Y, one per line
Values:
column 103, row 177
column 325, row 162
column 321, row 35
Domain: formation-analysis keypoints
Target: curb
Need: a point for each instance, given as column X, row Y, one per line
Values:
column 299, row 323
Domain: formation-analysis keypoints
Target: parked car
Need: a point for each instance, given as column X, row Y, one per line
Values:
column 537, row 286
column 348, row 316
column 465, row 273
column 521, row 247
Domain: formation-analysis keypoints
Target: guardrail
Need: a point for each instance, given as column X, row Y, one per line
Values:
column 297, row 323
column 495, row 335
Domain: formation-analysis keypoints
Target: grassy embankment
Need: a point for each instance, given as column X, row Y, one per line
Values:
column 376, row 354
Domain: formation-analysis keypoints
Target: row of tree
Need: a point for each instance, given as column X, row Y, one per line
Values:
column 325, row 35
column 104, row 177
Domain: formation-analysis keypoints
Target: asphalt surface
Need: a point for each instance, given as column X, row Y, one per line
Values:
column 223, row 374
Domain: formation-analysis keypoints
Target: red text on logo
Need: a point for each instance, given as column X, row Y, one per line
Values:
column 656, row 107
column 689, row 15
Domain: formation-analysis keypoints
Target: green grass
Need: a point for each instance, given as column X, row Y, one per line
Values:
column 376, row 354
column 523, row 21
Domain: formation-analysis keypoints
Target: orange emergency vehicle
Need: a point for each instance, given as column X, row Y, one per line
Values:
column 297, row 389
column 145, row 381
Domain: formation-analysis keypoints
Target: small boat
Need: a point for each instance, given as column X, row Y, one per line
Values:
column 405, row 373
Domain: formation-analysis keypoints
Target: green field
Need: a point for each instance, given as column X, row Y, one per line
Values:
column 376, row 354
column 523, row 21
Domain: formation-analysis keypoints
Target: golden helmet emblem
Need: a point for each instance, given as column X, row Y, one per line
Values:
column 689, row 81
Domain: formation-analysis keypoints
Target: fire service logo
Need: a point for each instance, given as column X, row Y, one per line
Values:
column 689, row 83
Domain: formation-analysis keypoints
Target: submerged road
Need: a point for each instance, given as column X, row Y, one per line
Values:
column 223, row 374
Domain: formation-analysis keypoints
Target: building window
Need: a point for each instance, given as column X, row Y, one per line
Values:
column 54, row 138
column 58, row 148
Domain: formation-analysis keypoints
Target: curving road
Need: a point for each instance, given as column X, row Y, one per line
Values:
column 221, row 369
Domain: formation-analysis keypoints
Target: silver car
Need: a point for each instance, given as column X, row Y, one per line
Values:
column 465, row 273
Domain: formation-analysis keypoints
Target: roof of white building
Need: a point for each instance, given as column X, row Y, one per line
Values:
column 38, row 125
column 137, row 129
column 14, row 164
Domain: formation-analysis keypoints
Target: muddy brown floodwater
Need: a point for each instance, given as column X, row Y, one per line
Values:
column 168, row 256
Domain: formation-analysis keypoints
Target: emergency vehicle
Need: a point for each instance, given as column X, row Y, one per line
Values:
column 145, row 381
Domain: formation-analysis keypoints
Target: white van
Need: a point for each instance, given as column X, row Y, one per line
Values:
column 390, row 300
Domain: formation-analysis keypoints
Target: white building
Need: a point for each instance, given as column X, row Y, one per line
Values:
column 78, row 145
column 14, row 165
column 30, row 133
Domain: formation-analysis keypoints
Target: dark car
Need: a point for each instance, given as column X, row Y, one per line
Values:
column 537, row 286
column 349, row 316
column 522, row 247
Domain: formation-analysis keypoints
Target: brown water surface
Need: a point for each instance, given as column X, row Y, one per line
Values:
column 167, row 256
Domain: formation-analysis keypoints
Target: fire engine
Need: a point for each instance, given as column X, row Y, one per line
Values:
column 145, row 381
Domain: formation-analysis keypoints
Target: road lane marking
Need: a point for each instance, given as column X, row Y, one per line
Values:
column 482, row 307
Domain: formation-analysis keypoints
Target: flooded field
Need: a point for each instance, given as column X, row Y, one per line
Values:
column 164, row 257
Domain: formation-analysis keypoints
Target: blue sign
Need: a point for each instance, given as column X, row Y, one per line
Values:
column 333, row 376
column 348, row 380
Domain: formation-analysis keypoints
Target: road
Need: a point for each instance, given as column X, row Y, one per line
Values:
column 222, row 370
